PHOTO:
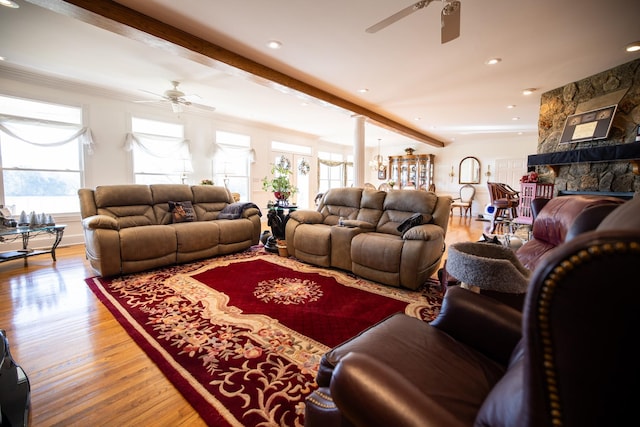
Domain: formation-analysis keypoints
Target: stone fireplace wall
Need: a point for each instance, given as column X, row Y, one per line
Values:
column 556, row 105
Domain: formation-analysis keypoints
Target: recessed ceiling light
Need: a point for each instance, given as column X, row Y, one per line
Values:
column 511, row 106
column 271, row 44
column 493, row 61
column 9, row 3
column 633, row 47
column 529, row 91
column 515, row 118
column 2, row 58
column 417, row 119
column 363, row 90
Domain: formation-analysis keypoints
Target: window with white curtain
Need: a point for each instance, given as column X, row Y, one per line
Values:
column 231, row 162
column 334, row 171
column 41, row 156
column 161, row 155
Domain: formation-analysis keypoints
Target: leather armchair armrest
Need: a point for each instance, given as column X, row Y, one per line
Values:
column 100, row 221
column 424, row 232
column 370, row 393
column 481, row 322
column 307, row 216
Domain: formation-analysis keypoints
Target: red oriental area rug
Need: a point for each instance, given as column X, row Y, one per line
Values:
column 241, row 336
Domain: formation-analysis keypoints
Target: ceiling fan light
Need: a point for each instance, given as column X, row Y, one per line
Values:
column 633, row 47
column 9, row 3
column 176, row 107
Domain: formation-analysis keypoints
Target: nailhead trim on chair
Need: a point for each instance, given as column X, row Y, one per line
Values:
column 320, row 404
column 546, row 296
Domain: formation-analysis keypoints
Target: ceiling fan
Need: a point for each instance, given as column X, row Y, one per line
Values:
column 177, row 99
column 449, row 18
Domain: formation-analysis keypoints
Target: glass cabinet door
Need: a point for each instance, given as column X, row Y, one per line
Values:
column 412, row 170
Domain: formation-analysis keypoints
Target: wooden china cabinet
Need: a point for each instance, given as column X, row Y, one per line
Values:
column 412, row 170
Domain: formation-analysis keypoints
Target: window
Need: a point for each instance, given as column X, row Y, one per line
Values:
column 41, row 156
column 334, row 171
column 231, row 162
column 160, row 153
column 296, row 154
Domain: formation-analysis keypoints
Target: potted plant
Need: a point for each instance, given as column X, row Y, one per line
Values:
column 280, row 185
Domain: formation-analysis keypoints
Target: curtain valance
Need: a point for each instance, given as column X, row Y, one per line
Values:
column 231, row 152
column 22, row 128
column 159, row 146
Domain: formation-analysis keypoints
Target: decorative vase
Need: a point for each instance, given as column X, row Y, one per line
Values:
column 282, row 248
column 282, row 197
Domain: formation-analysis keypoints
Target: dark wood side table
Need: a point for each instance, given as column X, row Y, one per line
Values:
column 278, row 216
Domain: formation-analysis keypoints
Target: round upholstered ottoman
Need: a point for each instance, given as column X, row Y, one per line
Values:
column 487, row 266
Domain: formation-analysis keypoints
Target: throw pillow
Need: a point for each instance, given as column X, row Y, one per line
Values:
column 182, row 211
column 412, row 221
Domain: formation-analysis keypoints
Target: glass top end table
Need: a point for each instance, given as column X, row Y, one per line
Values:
column 11, row 234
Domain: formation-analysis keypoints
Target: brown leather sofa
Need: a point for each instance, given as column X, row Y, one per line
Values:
column 395, row 237
column 130, row 228
column 566, row 360
column 560, row 219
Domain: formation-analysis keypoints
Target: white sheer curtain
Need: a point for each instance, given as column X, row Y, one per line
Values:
column 232, row 152
column 22, row 127
column 161, row 147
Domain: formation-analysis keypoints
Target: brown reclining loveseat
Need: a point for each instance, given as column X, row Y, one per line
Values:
column 395, row 237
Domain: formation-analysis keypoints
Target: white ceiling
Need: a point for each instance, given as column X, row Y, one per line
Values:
column 543, row 44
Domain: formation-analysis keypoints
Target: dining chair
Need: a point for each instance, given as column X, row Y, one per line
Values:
column 464, row 200
column 505, row 201
column 384, row 187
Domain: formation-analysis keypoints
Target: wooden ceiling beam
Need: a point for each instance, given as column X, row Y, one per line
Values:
column 122, row 20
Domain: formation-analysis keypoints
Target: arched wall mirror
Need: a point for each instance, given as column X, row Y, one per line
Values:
column 469, row 172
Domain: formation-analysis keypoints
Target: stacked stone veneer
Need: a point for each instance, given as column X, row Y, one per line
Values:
column 559, row 103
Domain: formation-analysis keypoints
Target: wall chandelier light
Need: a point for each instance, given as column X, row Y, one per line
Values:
column 377, row 162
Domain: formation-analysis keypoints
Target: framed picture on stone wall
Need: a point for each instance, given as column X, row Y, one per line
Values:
column 588, row 126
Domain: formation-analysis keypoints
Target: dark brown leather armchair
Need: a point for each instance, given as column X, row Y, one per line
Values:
column 566, row 360
column 560, row 219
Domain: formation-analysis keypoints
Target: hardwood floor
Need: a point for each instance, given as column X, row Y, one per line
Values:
column 83, row 367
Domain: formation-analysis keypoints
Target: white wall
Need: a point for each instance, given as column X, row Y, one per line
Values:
column 109, row 121
column 488, row 151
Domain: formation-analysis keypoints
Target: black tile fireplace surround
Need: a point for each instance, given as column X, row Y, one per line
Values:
column 609, row 153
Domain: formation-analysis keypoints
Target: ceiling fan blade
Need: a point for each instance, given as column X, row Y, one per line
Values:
column 191, row 97
column 450, row 21
column 398, row 16
column 150, row 101
column 153, row 93
column 203, row 107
